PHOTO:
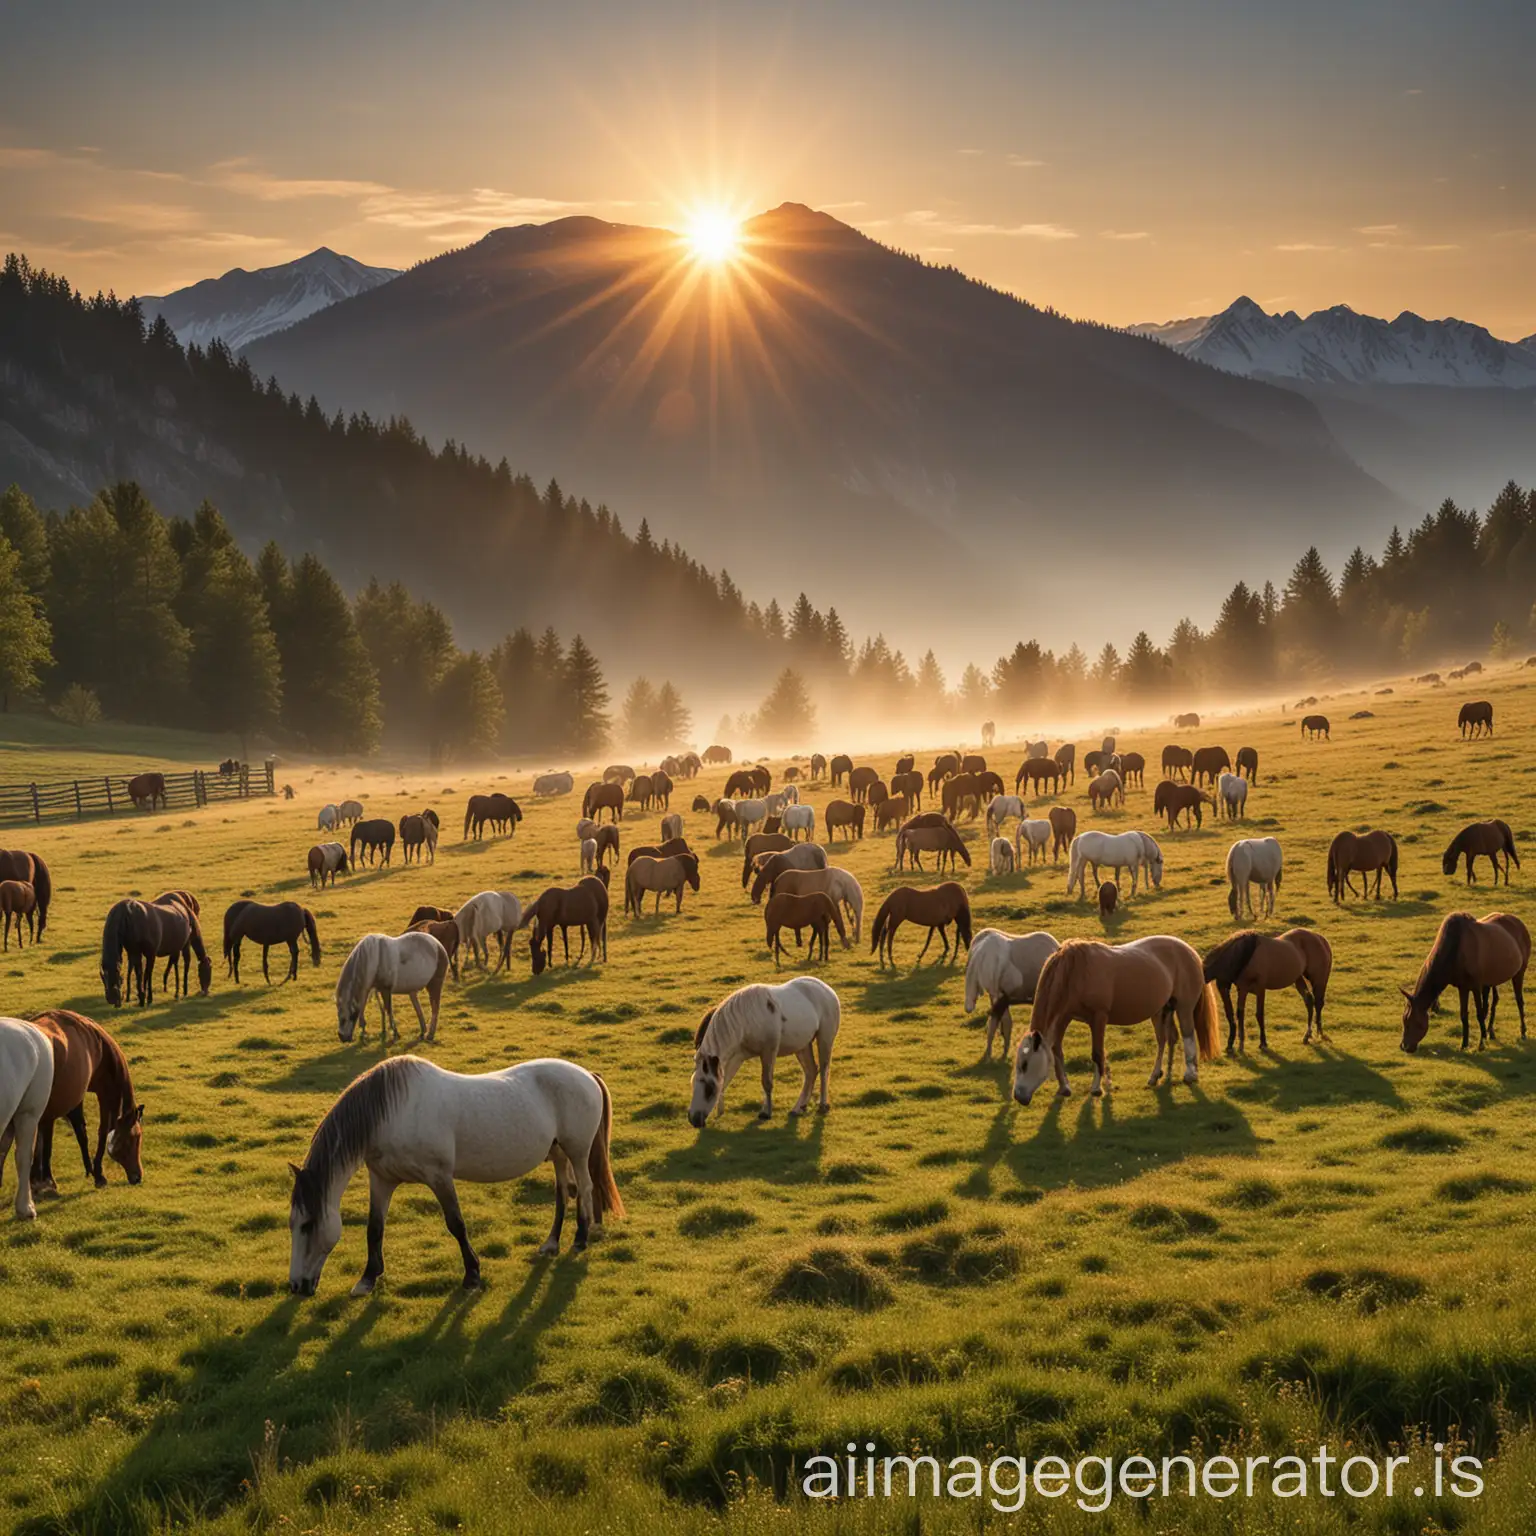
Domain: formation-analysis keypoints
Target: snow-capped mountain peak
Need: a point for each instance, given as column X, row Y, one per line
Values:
column 241, row 306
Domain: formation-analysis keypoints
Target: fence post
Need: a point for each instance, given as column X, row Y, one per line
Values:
column 271, row 777
column 37, row 810
column 199, row 790
column 111, row 808
column 79, row 809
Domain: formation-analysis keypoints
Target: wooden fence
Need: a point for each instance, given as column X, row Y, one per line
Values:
column 108, row 796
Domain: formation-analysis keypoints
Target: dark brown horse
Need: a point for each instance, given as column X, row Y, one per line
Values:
column 841, row 766
column 666, row 850
column 859, row 781
column 283, row 922
column 930, row 833
column 701, row 803
column 416, row 833
column 661, row 789
column 18, row 904
column 1248, row 763
column 603, row 797
column 910, row 784
column 1174, row 799
column 1477, row 718
column 498, row 810
column 1037, row 772
column 757, row 844
column 446, row 931
column 147, row 790
column 583, row 905
column 1482, row 839
column 1066, row 760
column 932, row 907
column 1353, row 851
column 1209, row 764
column 17, row 864
column 818, row 765
column 1477, row 957
column 905, row 763
column 1063, row 820
column 1133, row 768
column 1256, row 963
column 149, row 931
column 717, row 754
column 961, row 791
column 376, row 837
column 973, row 762
column 1313, row 726
column 893, row 811
column 844, row 815
column 1189, row 722
column 426, row 914
column 86, row 1059
column 814, row 910
column 1177, row 761
column 642, row 791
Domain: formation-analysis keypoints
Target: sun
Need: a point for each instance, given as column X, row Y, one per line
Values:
column 713, row 235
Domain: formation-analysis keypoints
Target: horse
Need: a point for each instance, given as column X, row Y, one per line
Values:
column 1109, row 899
column 1034, row 833
column 671, row 826
column 1063, row 820
column 1208, row 764
column 840, row 767
column 1351, row 851
column 769, row 866
column 18, row 864
column 501, row 810
column 150, row 931
column 814, row 910
column 673, row 845
column 446, row 932
column 1256, row 963
column 19, row 901
column 945, row 764
column 739, row 785
column 418, row 832
column 603, row 797
column 642, row 791
column 1133, row 766
column 1250, row 859
column 146, row 790
column 892, row 812
column 717, row 754
column 755, row 846
column 1000, row 857
column 229, row 767
column 1248, row 763
column 618, row 773
column 326, row 861
column 588, row 855
column 376, row 837
column 1482, row 839
column 1000, row 808
column 1314, row 726
column 725, row 818
column 1157, row 978
column 285, row 922
column 351, row 811
column 328, row 819
column 1232, row 794
column 1177, row 761
column 1188, row 722
column 1005, row 967
column 26, row 1082
column 1175, row 799
column 749, row 813
column 908, row 783
column 918, row 836
column 554, row 784
column 489, row 915
column 905, row 763
column 1066, row 760
column 661, row 789
column 961, row 791
column 86, row 1059
column 845, row 815
column 798, row 1018
column 701, row 803
column 818, row 765
column 798, row 819
column 1476, row 956
column 666, row 877
column 413, row 1122
column 932, row 907
column 973, row 762
column 584, row 906
column 383, row 965
column 859, row 781
column 1104, row 788
column 1134, row 851
column 988, row 733
column 839, row 884
column 1476, row 718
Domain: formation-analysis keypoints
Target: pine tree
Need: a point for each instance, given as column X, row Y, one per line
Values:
column 234, row 671
column 787, row 715
column 674, row 724
column 1106, row 670
column 587, row 722
column 330, row 689
column 22, row 525
column 930, row 679
column 805, row 628
column 25, row 652
column 773, row 620
column 835, row 642
column 467, row 708
column 639, row 715
column 411, row 646
column 975, row 690
column 1185, row 647
column 1144, row 673
column 514, row 662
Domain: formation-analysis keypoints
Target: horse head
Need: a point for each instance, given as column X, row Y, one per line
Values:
column 706, row 1088
column 1031, row 1062
column 1415, row 1020
column 315, row 1227
column 125, row 1143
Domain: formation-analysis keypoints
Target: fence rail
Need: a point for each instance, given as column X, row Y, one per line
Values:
column 108, row 795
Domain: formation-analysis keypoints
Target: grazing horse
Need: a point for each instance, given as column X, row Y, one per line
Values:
column 661, row 789
column 1482, row 839
column 1189, row 722
column 1005, row 967
column 1158, row 978
column 603, row 797
column 1063, row 820
column 618, row 773
column 739, row 784
column 1000, row 808
column 500, row 810
column 671, row 826
column 1476, row 718
column 1314, row 726
column 1134, row 851
column 642, row 791
column 920, row 835
column 802, row 818
column 717, row 754
column 798, row 1018
column 1104, row 788
column 18, row 864
column 1177, row 761
column 666, row 877
column 1133, row 768
column 1232, row 792
column 701, row 803
column 446, row 932
column 1034, row 832
column 1066, row 760
column 769, row 866
column 860, row 781
column 375, row 837
column 973, row 762
column 19, row 901
column 583, row 906
column 932, row 907
column 412, row 1122
column 328, row 819
column 758, row 844
column 839, row 884
column 350, row 811
column 384, row 965
column 814, row 910
column 418, row 832
column 1208, row 764
column 961, row 791
column 86, row 1059
column 1037, row 772
column 554, row 784
column 489, row 915
column 1256, row 963
column 841, row 766
column 845, row 815
column 1174, row 799
column 910, row 784
column 1352, row 851
column 150, row 931
column 1109, row 899
column 26, row 1082
column 326, row 861
column 147, row 790
column 1476, row 956
column 1250, row 859
column 666, row 850
column 1000, row 857
column 818, row 765
column 285, row 922
column 1248, row 763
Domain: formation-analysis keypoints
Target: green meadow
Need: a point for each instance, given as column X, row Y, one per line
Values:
column 1328, row 1242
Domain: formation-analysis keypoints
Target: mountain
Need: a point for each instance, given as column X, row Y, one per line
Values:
column 893, row 432
column 242, row 306
column 1339, row 346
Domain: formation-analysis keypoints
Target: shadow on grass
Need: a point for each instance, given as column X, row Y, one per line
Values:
column 1317, row 1075
column 784, row 1150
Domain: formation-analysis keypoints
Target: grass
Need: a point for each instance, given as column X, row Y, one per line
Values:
column 1319, row 1242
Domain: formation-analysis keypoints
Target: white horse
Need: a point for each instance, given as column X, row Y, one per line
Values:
column 332, row 857
column 329, row 818
column 791, row 794
column 486, row 916
column 797, row 1018
column 585, row 828
column 749, row 813
column 1000, row 808
column 671, row 826
column 1232, row 792
column 839, row 884
column 1114, row 850
column 776, row 802
column 1250, row 859
column 589, row 855
column 1006, row 967
column 26, row 1081
column 350, row 811
column 384, row 965
column 412, row 1122
column 798, row 819
column 1000, row 859
column 1037, row 832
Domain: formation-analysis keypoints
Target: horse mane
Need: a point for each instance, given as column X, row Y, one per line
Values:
column 722, row 1025
column 110, row 1050
column 342, row 1137
column 1227, row 961
column 1434, row 975
column 113, row 936
column 232, row 917
column 351, row 968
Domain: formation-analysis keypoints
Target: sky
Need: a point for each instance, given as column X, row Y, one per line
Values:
column 1123, row 160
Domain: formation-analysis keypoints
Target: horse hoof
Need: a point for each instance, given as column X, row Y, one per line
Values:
column 547, row 1250
column 823, row 1109
column 364, row 1287
column 472, row 1281
column 1191, row 1078
column 100, row 1182
column 26, row 1213
column 1063, row 1093
column 764, row 1114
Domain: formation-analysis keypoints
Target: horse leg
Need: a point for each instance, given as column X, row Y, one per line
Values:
column 1306, row 997
column 923, row 951
column 387, row 1014
column 24, row 1127
column 807, row 1059
column 1258, row 1010
column 76, row 1118
column 1493, row 1008
column 266, row 975
column 43, row 1182
column 1100, row 1061
column 421, row 1018
column 293, row 959
column 448, row 1198
column 1466, row 1028
column 766, row 1112
column 1225, row 989
column 380, row 1192
column 1518, row 983
column 551, row 1244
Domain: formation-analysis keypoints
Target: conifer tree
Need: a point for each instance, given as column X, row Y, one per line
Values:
column 787, row 715
column 25, row 652
column 587, row 696
column 330, row 689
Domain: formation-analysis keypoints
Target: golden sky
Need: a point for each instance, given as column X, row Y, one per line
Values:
column 1123, row 160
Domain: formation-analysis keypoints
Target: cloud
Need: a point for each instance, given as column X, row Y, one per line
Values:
column 970, row 151
column 1378, row 229
column 1305, row 245
column 248, row 179
column 1124, row 234
column 926, row 218
column 444, row 210
column 1023, row 162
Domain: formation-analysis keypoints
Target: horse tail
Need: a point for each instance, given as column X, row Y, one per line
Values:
column 1205, row 1022
column 881, row 923
column 963, row 920
column 1333, row 867
column 1230, row 958
column 605, row 1192
column 469, row 812
column 1392, row 857
column 42, row 884
column 1505, row 834
column 313, row 935
column 229, row 933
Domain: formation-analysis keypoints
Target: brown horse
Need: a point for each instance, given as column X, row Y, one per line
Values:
column 500, row 810
column 1209, row 763
column 740, row 785
column 19, row 901
column 933, row 907
column 86, row 1059
column 1105, row 787
column 905, row 763
column 1482, row 839
column 1174, row 799
column 701, row 803
column 818, row 765
column 584, row 906
column 1177, row 761
column 961, row 791
column 444, row 929
column 1476, row 957
column 769, row 866
column 416, row 833
column 909, row 783
column 814, row 910
column 717, row 754
column 375, row 836
column 1121, row 985
column 17, row 864
column 841, row 766
column 1352, row 851
column 1109, row 899
column 284, row 922
column 1313, row 726
column 859, row 782
column 327, row 860
column 666, row 877
column 1038, row 772
column 150, row 931
column 426, row 914
column 661, row 789
column 1063, row 821
column 1256, row 963
column 666, row 850
column 1189, row 722
column 919, row 835
column 603, row 797
column 845, row 815
column 973, row 762
column 1133, row 767
column 642, row 791
column 760, row 843
column 146, row 790
column 1248, row 763
column 1066, row 760
column 1476, row 718
column 892, row 812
